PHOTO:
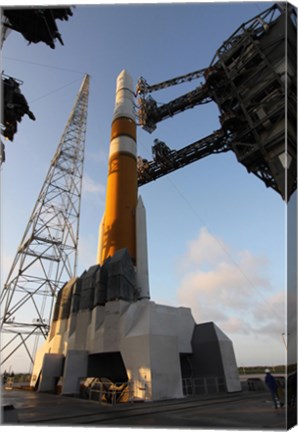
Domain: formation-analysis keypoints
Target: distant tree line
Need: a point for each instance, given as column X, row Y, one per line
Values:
column 17, row 378
column 247, row 370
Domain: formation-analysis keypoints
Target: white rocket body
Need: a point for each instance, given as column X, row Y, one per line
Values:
column 142, row 275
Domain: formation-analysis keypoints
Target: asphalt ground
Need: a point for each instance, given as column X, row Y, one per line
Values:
column 244, row 410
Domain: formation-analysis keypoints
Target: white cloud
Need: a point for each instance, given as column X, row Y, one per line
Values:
column 203, row 250
column 271, row 315
column 236, row 325
column 231, row 288
column 90, row 186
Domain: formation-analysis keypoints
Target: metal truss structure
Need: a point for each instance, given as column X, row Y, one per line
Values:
column 253, row 80
column 47, row 256
column 167, row 160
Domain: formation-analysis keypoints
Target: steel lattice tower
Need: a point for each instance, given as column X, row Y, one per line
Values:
column 47, row 255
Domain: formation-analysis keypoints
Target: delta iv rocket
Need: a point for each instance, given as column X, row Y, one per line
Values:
column 114, row 295
column 124, row 222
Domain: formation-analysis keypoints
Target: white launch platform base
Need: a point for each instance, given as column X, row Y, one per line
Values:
column 149, row 337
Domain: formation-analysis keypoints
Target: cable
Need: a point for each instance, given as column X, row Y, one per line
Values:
column 223, row 248
column 42, row 65
column 54, row 91
column 221, row 245
column 217, row 240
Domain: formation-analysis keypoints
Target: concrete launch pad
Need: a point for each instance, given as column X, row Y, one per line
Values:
column 245, row 410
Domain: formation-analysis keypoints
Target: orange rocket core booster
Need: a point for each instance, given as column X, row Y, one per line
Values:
column 118, row 227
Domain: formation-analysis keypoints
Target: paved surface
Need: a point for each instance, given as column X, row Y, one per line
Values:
column 246, row 410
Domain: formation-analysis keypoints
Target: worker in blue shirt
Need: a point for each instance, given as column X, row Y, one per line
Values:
column 272, row 385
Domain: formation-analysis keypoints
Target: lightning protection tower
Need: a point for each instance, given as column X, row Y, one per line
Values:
column 47, row 255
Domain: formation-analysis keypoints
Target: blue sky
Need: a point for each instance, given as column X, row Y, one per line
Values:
column 216, row 234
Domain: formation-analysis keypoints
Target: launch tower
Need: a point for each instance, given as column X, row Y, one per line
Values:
column 253, row 81
column 47, row 255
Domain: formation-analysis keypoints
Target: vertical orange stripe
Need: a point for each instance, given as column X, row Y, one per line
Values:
column 119, row 229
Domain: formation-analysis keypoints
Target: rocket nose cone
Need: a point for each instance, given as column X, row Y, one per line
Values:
column 123, row 73
column 124, row 80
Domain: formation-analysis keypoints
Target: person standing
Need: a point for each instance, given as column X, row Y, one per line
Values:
column 271, row 383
